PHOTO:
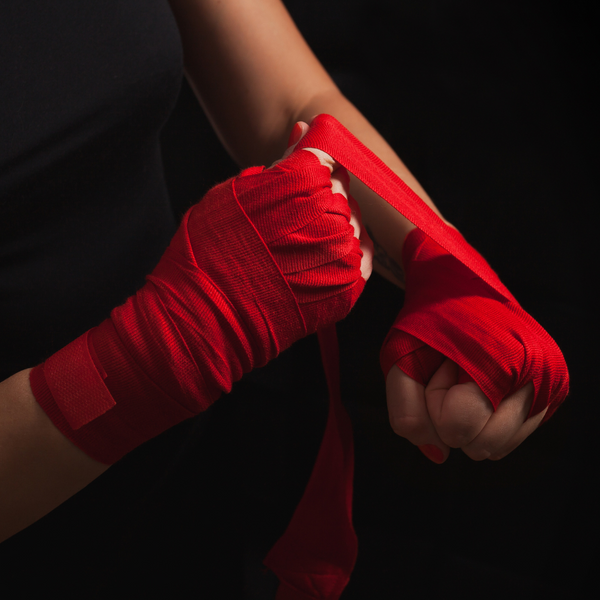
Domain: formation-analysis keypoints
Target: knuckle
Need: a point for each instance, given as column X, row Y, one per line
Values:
column 454, row 436
column 408, row 427
column 477, row 454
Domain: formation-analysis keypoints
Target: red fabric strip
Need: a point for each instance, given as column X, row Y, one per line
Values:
column 329, row 135
column 77, row 385
column 309, row 563
column 316, row 555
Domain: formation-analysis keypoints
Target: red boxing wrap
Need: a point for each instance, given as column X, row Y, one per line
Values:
column 455, row 304
column 264, row 259
column 243, row 279
column 450, row 313
column 308, row 565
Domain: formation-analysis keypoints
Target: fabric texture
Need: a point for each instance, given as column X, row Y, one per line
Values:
column 449, row 313
column 230, row 293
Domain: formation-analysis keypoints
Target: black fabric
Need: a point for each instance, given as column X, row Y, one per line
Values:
column 85, row 88
column 84, row 211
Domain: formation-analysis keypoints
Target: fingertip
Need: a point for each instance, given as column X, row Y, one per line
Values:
column 294, row 135
column 433, row 453
column 299, row 130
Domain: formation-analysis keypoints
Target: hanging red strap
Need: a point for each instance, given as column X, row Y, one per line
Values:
column 315, row 556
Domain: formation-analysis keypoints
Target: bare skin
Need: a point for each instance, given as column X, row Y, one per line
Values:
column 260, row 79
column 39, row 467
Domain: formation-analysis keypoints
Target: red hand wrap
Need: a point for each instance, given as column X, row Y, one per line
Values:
column 448, row 312
column 316, row 555
column 506, row 343
column 264, row 259
column 307, row 567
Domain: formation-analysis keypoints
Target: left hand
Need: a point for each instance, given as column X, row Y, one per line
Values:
column 446, row 414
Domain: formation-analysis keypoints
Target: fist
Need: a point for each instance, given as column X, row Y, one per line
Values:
column 447, row 414
column 302, row 209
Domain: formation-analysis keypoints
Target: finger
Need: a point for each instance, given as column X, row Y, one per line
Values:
column 355, row 223
column 409, row 418
column 503, row 425
column 522, row 434
column 340, row 183
column 325, row 159
column 458, row 411
column 299, row 130
column 368, row 251
column 365, row 242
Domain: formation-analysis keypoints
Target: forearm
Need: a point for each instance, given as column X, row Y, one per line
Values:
column 39, row 467
column 185, row 337
column 255, row 76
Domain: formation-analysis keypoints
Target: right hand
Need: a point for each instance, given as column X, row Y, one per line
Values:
column 466, row 367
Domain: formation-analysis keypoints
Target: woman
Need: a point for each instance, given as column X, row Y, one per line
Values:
column 255, row 78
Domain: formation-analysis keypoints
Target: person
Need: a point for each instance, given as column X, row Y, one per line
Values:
column 255, row 78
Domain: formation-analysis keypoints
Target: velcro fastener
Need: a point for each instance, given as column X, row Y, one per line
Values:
column 77, row 386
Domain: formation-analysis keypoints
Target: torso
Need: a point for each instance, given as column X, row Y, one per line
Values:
column 84, row 211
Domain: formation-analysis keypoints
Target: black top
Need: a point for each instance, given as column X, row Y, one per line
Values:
column 85, row 88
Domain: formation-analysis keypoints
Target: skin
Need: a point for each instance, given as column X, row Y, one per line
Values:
column 253, row 93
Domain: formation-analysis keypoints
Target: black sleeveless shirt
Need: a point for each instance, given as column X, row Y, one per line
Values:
column 85, row 88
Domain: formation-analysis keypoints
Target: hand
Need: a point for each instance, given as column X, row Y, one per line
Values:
column 447, row 414
column 340, row 184
column 264, row 259
column 466, row 367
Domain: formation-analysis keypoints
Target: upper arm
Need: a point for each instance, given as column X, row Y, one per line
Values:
column 251, row 70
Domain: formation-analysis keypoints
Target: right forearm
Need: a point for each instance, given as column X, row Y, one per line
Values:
column 39, row 467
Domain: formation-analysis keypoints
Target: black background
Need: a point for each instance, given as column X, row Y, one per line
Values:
column 490, row 106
